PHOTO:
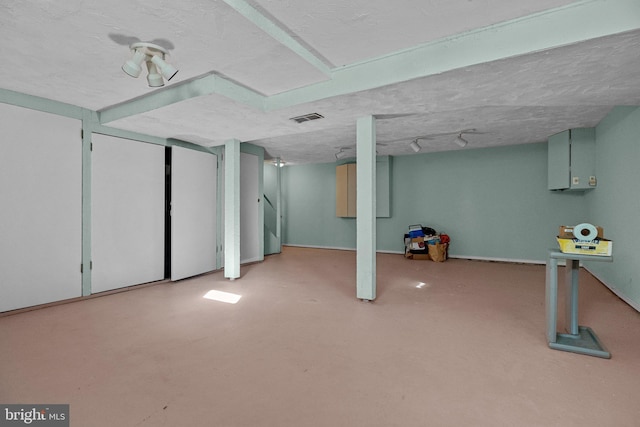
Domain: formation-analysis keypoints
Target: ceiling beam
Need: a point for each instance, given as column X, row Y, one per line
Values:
column 576, row 22
column 40, row 104
column 206, row 84
column 274, row 30
column 126, row 134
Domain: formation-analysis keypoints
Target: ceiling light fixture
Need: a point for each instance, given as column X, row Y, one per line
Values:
column 344, row 152
column 154, row 56
column 415, row 146
column 461, row 141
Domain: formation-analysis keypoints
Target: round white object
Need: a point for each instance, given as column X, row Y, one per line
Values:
column 585, row 231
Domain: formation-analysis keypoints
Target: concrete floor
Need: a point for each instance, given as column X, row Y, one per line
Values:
column 460, row 343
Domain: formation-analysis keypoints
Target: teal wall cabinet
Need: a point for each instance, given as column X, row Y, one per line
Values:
column 572, row 163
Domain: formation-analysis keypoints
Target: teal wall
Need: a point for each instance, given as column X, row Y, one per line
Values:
column 615, row 203
column 309, row 208
column 493, row 202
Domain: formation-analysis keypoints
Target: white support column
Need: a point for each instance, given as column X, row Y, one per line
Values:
column 279, row 203
column 232, row 209
column 366, row 208
column 88, row 120
column 219, row 152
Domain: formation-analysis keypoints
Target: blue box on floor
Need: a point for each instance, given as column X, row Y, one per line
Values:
column 416, row 233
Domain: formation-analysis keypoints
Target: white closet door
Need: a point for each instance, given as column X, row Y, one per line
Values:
column 127, row 212
column 41, row 196
column 193, row 212
column 249, row 206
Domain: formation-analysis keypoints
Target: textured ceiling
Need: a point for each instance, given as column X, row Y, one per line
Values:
column 302, row 52
column 373, row 28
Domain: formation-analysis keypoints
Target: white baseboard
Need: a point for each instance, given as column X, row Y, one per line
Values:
column 616, row 291
column 338, row 248
column 476, row 258
column 319, row 247
column 516, row 261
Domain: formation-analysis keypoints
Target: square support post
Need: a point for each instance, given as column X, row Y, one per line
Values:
column 279, row 203
column 88, row 120
column 232, row 209
column 366, row 209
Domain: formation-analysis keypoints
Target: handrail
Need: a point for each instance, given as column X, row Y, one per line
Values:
column 268, row 201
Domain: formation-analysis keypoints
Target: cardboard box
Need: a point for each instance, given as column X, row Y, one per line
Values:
column 599, row 247
column 417, row 243
column 566, row 232
column 424, row 256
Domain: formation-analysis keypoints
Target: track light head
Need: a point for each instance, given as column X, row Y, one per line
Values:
column 167, row 70
column 133, row 66
column 415, row 146
column 461, row 141
column 154, row 78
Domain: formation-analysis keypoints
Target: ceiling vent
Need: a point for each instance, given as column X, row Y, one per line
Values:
column 307, row 117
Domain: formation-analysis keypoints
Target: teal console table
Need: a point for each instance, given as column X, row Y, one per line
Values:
column 578, row 339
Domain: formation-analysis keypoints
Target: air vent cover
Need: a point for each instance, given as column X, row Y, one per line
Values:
column 307, row 117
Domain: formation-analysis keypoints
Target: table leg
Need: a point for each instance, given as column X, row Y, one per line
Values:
column 551, row 296
column 572, row 270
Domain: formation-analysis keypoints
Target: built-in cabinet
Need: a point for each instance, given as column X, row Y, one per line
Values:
column 346, row 184
column 346, row 190
column 571, row 162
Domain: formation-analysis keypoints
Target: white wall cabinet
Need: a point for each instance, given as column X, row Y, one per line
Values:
column 571, row 161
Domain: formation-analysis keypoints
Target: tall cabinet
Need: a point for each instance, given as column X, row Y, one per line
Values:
column 346, row 190
column 346, row 186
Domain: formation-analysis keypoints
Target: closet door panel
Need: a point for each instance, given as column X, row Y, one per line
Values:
column 193, row 212
column 127, row 212
column 41, row 191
